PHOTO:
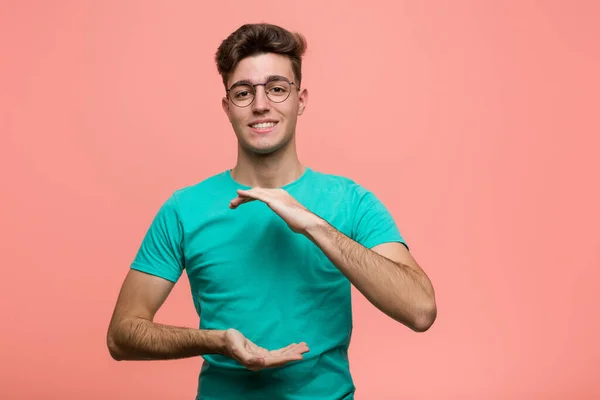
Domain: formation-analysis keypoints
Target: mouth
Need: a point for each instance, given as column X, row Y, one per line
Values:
column 263, row 126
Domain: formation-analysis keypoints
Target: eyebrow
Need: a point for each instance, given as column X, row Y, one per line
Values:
column 270, row 78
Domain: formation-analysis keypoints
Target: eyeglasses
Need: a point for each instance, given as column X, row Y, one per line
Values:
column 277, row 89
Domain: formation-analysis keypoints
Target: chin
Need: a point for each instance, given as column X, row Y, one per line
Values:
column 265, row 147
column 263, row 150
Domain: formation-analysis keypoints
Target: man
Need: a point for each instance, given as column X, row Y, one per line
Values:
column 271, row 248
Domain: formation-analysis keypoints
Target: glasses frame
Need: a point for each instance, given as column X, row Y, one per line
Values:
column 279, row 78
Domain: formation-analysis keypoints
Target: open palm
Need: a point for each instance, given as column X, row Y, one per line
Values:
column 255, row 357
column 282, row 203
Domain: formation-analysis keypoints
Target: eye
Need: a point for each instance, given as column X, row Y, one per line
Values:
column 242, row 94
column 278, row 88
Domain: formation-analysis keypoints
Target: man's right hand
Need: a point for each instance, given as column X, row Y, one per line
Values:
column 255, row 358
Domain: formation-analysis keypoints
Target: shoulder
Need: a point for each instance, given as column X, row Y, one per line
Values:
column 207, row 186
column 199, row 195
column 339, row 184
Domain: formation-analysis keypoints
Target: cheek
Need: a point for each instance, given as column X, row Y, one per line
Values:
column 292, row 115
column 237, row 119
column 290, row 112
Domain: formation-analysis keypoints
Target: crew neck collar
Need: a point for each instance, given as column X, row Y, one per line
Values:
column 306, row 172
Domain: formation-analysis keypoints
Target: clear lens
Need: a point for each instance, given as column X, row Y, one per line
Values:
column 277, row 92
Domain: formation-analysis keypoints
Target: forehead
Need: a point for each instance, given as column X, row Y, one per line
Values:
column 257, row 69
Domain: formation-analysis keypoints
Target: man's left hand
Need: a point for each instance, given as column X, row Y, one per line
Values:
column 298, row 217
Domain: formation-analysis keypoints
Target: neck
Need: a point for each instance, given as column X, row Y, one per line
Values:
column 267, row 170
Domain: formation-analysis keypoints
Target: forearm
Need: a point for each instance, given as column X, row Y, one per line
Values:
column 141, row 339
column 396, row 289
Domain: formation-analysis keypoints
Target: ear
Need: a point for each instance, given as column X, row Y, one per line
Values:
column 225, row 105
column 302, row 100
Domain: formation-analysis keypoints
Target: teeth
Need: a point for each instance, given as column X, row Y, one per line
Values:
column 264, row 125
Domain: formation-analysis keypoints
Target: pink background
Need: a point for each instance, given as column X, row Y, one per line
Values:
column 476, row 122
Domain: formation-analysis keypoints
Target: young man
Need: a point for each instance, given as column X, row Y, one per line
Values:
column 271, row 248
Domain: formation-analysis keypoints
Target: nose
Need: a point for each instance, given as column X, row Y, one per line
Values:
column 261, row 102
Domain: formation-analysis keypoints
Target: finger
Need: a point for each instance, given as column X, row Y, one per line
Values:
column 256, row 193
column 298, row 350
column 239, row 201
column 287, row 354
column 284, row 349
column 301, row 348
column 277, row 361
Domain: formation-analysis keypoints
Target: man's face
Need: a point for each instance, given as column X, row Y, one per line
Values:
column 264, row 126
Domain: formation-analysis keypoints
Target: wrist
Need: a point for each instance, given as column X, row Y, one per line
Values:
column 214, row 342
column 315, row 227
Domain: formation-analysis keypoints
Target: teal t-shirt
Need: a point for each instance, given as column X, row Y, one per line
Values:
column 249, row 271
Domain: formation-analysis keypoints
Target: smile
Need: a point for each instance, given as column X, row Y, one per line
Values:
column 263, row 125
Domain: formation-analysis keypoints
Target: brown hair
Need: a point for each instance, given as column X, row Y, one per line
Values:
column 253, row 39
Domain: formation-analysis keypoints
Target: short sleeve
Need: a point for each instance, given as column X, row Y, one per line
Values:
column 373, row 224
column 161, row 251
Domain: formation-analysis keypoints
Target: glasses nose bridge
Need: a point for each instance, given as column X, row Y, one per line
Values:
column 256, row 95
